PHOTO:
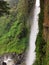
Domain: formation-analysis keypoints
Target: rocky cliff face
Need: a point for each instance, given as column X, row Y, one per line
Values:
column 12, row 2
column 12, row 59
column 46, row 20
column 46, row 28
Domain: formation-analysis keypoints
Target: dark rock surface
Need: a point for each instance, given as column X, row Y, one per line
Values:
column 12, row 59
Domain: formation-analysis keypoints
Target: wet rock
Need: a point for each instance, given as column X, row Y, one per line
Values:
column 12, row 59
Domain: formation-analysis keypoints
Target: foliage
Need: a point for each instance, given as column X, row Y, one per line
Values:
column 30, row 4
column 14, row 31
column 4, row 8
column 47, row 53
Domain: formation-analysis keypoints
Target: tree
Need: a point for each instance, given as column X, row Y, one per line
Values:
column 4, row 9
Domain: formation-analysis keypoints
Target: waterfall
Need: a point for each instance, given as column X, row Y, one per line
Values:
column 31, row 55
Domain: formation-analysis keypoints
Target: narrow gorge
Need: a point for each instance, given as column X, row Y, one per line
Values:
column 24, row 32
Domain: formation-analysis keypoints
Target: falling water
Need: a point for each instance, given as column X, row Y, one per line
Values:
column 8, row 61
column 31, row 55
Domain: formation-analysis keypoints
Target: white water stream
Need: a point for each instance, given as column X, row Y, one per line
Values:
column 31, row 55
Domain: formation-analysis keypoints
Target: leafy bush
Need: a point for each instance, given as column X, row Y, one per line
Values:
column 14, row 31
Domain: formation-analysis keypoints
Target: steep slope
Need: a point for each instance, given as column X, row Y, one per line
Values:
column 46, row 20
column 14, row 30
column 42, row 43
column 46, row 29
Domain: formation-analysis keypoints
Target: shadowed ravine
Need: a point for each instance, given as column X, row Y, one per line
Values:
column 31, row 55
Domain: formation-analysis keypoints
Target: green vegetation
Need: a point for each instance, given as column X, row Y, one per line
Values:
column 14, row 31
column 3, row 8
column 47, row 53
